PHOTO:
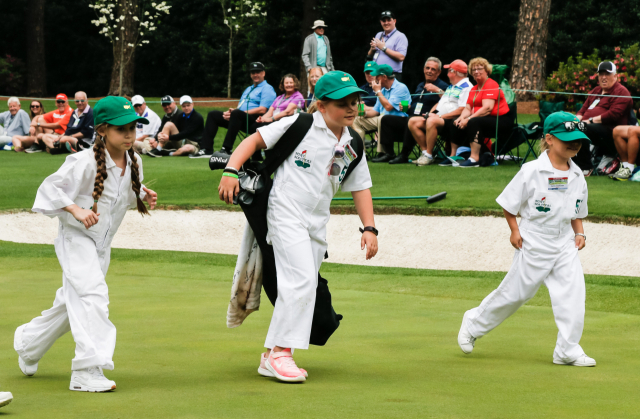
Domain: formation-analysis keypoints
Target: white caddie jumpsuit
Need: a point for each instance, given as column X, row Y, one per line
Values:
column 547, row 200
column 82, row 303
column 297, row 217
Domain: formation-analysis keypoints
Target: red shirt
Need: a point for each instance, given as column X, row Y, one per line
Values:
column 55, row 117
column 489, row 91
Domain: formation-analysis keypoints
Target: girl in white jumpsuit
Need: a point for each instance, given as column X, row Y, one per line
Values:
column 550, row 194
column 90, row 195
column 298, row 213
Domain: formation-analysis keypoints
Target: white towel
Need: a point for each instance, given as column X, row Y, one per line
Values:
column 247, row 280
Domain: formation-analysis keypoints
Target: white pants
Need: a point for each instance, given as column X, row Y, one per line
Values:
column 298, row 235
column 4, row 139
column 548, row 255
column 81, row 305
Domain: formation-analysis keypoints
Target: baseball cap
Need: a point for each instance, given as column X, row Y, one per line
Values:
column 382, row 69
column 370, row 66
column 387, row 14
column 256, row 66
column 61, row 96
column 137, row 100
column 166, row 100
column 607, row 66
column 115, row 110
column 336, row 85
column 565, row 126
column 184, row 99
column 458, row 65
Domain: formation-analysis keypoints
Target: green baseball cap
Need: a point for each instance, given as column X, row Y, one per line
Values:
column 382, row 70
column 115, row 110
column 336, row 85
column 565, row 126
column 370, row 66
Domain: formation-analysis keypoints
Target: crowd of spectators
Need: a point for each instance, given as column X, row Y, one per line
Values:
column 458, row 117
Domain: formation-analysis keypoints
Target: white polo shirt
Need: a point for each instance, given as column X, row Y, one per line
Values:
column 454, row 97
column 152, row 128
column 545, row 195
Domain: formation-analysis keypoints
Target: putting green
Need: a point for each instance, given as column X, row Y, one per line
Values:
column 395, row 354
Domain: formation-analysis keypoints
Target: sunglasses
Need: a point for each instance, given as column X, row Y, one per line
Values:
column 570, row 126
column 35, row 106
column 79, row 100
column 136, row 106
column 61, row 101
column 338, row 153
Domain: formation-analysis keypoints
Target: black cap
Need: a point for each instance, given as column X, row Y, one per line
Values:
column 166, row 100
column 607, row 66
column 256, row 66
column 387, row 14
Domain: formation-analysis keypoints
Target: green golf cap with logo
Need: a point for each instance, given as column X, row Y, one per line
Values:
column 382, row 70
column 336, row 85
column 116, row 110
column 370, row 66
column 565, row 126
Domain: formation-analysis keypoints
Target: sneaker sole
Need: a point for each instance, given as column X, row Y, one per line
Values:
column 467, row 167
column 32, row 151
column 573, row 364
column 80, row 387
column 297, row 379
column 200, row 157
column 5, row 402
column 620, row 179
column 265, row 372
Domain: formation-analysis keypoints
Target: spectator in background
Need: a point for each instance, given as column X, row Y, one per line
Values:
column 442, row 115
column 390, row 92
column 389, row 46
column 314, row 75
column 396, row 128
column 54, row 123
column 609, row 107
column 171, row 114
column 15, row 122
column 369, row 99
column 145, row 133
column 627, row 141
column 285, row 105
column 36, row 109
column 79, row 132
column 479, row 118
column 255, row 101
column 316, row 51
column 183, row 137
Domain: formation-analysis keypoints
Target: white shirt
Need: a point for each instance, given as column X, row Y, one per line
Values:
column 73, row 184
column 545, row 195
column 152, row 128
column 454, row 97
column 306, row 170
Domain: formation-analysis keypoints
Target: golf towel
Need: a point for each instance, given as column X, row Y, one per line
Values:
column 247, row 280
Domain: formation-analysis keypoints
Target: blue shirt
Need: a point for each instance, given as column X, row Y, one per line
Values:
column 427, row 99
column 257, row 96
column 396, row 94
column 395, row 41
column 321, row 52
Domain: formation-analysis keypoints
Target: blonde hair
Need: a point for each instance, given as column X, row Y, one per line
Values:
column 309, row 86
column 480, row 61
column 544, row 145
column 99, row 153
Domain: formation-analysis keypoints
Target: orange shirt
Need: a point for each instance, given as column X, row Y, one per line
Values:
column 54, row 117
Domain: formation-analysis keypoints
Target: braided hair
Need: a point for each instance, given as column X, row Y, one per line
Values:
column 101, row 173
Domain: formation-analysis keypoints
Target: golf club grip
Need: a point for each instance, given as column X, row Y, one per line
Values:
column 437, row 197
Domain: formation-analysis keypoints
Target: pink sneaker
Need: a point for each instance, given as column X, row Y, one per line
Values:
column 283, row 367
column 263, row 371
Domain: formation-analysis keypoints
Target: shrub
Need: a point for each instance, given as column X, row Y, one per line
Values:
column 11, row 76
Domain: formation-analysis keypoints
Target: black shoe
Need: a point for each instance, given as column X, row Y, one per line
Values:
column 445, row 162
column 202, row 154
column 400, row 159
column 385, row 158
column 57, row 150
column 35, row 148
column 155, row 153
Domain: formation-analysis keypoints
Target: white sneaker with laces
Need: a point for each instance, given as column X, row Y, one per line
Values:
column 424, row 160
column 27, row 370
column 465, row 340
column 91, row 380
column 5, row 398
column 582, row 361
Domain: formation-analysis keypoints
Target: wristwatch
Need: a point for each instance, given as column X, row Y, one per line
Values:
column 583, row 235
column 369, row 228
column 38, row 123
column 384, row 49
column 591, row 120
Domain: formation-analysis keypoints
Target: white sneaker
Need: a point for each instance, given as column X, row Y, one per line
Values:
column 465, row 340
column 424, row 160
column 5, row 398
column 582, row 361
column 27, row 370
column 91, row 380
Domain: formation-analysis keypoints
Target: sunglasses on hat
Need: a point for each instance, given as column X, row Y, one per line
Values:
column 571, row 126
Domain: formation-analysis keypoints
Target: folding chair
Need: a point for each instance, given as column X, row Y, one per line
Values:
column 511, row 138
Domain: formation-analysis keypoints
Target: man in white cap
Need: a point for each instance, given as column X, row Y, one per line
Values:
column 145, row 134
column 316, row 51
column 183, row 137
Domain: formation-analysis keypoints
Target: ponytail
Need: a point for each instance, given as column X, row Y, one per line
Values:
column 135, row 183
column 101, row 173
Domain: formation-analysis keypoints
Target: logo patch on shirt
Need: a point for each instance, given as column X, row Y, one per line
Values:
column 578, row 202
column 542, row 206
column 301, row 160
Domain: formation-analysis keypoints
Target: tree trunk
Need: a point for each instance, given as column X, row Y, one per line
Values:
column 530, row 52
column 36, row 67
column 230, row 67
column 309, row 14
column 122, row 52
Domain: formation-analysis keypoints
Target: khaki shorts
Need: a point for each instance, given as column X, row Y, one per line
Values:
column 171, row 145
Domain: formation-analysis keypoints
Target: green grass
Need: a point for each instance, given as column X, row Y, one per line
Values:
column 395, row 354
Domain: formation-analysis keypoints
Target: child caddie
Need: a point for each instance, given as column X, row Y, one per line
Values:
column 90, row 195
column 550, row 194
column 298, row 211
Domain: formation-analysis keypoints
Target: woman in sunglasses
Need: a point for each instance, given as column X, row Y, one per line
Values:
column 36, row 108
column 550, row 194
